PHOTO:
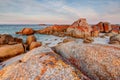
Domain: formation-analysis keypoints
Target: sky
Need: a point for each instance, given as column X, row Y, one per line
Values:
column 58, row 11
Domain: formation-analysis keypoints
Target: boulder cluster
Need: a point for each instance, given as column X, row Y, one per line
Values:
column 11, row 46
column 81, row 29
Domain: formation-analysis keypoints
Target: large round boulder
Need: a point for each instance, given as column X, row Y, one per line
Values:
column 97, row 61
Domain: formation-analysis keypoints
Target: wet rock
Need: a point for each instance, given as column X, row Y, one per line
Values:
column 8, row 51
column 8, row 39
column 98, row 62
column 34, row 45
column 41, row 64
column 5, row 39
column 18, row 40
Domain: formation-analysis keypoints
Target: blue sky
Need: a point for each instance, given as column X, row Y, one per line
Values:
column 58, row 11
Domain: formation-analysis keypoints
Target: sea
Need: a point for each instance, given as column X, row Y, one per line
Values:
column 48, row 40
column 11, row 29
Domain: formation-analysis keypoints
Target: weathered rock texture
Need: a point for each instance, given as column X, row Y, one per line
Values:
column 80, row 29
column 98, row 62
column 41, row 64
column 8, row 51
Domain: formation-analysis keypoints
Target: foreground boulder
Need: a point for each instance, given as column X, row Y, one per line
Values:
column 8, row 51
column 79, row 29
column 41, row 64
column 26, row 31
column 115, row 39
column 98, row 62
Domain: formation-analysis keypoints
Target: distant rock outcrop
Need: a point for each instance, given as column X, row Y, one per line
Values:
column 26, row 31
column 104, row 27
column 98, row 62
column 53, row 29
column 79, row 29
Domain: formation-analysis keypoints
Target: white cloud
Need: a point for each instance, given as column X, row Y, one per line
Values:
column 53, row 11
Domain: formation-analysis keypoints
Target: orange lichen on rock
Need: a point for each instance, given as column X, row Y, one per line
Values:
column 97, row 61
column 41, row 64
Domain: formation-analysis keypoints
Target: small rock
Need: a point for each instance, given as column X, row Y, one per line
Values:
column 88, row 40
column 35, row 45
column 68, row 40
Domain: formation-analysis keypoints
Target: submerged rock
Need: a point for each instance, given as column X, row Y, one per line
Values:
column 98, row 62
column 41, row 64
